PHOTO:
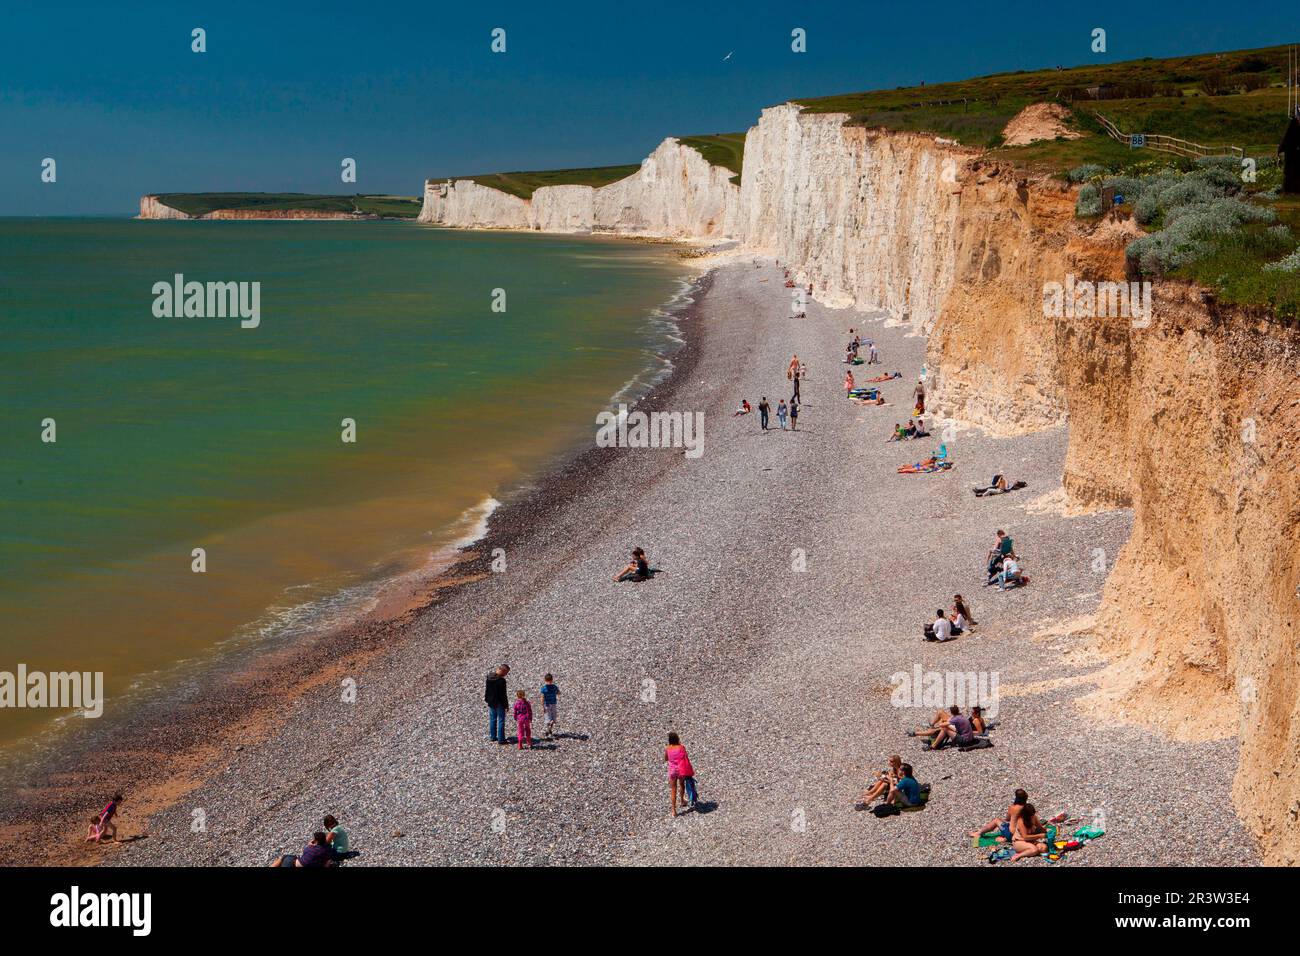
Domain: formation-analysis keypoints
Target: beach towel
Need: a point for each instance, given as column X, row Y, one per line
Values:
column 1003, row 852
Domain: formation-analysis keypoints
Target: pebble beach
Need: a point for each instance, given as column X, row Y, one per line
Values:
column 779, row 680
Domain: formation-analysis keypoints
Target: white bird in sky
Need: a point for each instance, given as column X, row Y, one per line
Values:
column 727, row 57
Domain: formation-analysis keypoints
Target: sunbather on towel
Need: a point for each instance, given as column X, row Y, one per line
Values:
column 1003, row 826
column 1028, row 835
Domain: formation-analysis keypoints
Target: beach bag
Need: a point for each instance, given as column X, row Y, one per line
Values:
column 689, row 784
column 885, row 810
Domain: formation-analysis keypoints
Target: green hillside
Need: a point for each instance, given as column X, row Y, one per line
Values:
column 200, row 204
column 1212, row 98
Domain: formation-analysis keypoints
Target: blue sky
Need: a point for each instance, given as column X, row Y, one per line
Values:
column 411, row 90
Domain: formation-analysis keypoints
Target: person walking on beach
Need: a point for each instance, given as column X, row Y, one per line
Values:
column 679, row 770
column 523, row 719
column 848, row 382
column 550, row 698
column 919, row 392
column 781, row 412
column 794, row 413
column 102, row 826
column 763, row 409
column 793, row 369
column 496, row 698
column 795, row 397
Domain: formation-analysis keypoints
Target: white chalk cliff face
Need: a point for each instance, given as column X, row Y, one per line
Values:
column 868, row 218
column 151, row 208
column 675, row 194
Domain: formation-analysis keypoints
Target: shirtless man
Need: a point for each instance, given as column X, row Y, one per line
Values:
column 1005, row 827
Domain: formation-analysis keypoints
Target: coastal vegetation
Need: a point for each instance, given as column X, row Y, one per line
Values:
column 1235, row 98
column 200, row 204
column 524, row 184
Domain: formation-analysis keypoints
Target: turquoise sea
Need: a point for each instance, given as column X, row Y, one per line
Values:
column 180, row 433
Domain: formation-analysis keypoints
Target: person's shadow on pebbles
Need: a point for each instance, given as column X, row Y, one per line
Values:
column 565, row 735
column 705, row 806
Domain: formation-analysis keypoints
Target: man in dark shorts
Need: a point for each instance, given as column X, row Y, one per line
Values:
column 763, row 409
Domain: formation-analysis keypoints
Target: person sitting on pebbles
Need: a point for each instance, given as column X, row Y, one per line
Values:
column 885, row 780
column 637, row 570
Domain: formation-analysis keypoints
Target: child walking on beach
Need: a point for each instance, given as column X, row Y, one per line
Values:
column 550, row 697
column 523, row 719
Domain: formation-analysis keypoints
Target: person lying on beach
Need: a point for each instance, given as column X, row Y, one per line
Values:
column 885, row 378
column 1028, row 835
column 885, row 780
column 102, row 827
column 315, row 854
column 637, row 570
column 744, row 408
column 999, row 486
column 1003, row 825
column 957, row 730
column 1000, row 550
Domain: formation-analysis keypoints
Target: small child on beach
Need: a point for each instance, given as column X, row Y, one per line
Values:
column 523, row 719
column 102, row 826
column 550, row 697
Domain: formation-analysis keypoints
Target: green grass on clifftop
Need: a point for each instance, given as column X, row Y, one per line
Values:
column 524, row 184
column 200, row 204
column 1211, row 98
column 721, row 149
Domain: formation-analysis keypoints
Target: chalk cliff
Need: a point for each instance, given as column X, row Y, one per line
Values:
column 868, row 218
column 675, row 194
column 151, row 208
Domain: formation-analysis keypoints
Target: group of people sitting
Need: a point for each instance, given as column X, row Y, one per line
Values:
column 1020, row 827
column 952, row 728
column 945, row 627
column 896, row 786
column 1004, row 565
column 327, row 847
column 913, row 429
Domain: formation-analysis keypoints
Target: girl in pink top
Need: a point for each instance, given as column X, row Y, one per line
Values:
column 679, row 769
column 523, row 719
